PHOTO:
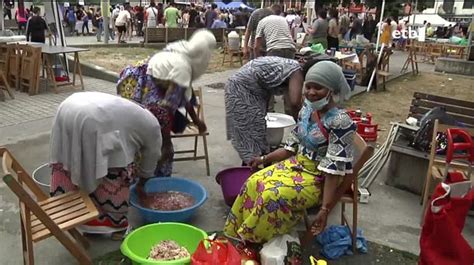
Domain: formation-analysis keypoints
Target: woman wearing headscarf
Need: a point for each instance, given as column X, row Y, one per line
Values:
column 163, row 84
column 94, row 142
column 317, row 154
column 247, row 93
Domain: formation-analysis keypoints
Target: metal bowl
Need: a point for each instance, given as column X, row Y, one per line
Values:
column 276, row 124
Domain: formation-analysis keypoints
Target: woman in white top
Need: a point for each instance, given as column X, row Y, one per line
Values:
column 151, row 15
column 96, row 138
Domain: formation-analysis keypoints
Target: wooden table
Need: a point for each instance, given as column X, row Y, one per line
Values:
column 48, row 51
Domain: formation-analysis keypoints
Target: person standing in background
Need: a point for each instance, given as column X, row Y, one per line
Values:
column 210, row 15
column 36, row 28
column 171, row 16
column 333, row 30
column 7, row 8
column 21, row 17
column 368, row 29
column 344, row 25
column 219, row 23
column 140, row 21
column 186, row 18
column 319, row 29
column 356, row 28
column 151, row 16
column 121, row 24
column 98, row 22
column 251, row 29
column 193, row 13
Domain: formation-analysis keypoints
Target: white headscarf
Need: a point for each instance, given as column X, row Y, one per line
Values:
column 94, row 131
column 184, row 61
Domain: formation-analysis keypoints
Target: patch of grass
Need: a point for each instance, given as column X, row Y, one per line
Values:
column 116, row 59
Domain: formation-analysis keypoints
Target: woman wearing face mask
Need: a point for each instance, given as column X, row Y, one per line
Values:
column 317, row 154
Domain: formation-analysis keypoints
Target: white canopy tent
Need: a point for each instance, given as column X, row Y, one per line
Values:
column 434, row 19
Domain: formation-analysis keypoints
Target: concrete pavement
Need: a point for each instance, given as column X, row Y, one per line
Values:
column 391, row 218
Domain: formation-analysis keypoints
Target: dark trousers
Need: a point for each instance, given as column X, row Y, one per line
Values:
column 333, row 42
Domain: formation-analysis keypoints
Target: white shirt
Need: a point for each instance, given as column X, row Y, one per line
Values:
column 151, row 13
column 123, row 18
column 274, row 29
column 95, row 131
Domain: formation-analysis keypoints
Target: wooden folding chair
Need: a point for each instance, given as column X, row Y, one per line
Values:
column 437, row 164
column 231, row 53
column 411, row 60
column 362, row 152
column 193, row 132
column 42, row 216
column 14, row 52
column 4, row 85
column 30, row 68
column 383, row 68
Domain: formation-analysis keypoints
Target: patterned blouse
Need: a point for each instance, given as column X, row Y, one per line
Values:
column 329, row 143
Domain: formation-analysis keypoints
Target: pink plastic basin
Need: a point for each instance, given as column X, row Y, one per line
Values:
column 231, row 181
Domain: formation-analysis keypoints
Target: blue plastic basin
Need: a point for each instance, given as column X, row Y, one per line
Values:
column 164, row 184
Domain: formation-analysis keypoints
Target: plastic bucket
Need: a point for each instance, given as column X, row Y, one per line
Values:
column 231, row 181
column 42, row 177
column 137, row 244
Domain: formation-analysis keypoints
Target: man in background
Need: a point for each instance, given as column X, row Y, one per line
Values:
column 123, row 19
column 171, row 16
column 251, row 29
column 210, row 15
column 193, row 13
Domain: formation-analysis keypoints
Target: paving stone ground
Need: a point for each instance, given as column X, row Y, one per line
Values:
column 25, row 108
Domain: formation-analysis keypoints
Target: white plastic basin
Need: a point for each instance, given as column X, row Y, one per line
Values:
column 276, row 124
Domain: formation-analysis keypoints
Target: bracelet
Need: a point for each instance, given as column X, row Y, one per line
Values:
column 263, row 159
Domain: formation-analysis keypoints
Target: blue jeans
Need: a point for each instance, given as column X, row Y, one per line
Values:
column 100, row 29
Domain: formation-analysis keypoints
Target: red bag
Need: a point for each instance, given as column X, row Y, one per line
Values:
column 441, row 240
column 221, row 252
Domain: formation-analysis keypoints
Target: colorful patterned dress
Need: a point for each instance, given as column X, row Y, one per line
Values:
column 162, row 98
column 246, row 97
column 271, row 201
column 111, row 197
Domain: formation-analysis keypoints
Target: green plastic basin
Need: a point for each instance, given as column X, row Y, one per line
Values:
column 137, row 245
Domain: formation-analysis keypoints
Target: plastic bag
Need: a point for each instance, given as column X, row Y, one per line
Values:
column 318, row 48
column 336, row 242
column 275, row 250
column 220, row 252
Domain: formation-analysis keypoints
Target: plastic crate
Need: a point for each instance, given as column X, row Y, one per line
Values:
column 367, row 131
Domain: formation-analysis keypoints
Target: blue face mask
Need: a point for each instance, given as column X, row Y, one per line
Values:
column 318, row 104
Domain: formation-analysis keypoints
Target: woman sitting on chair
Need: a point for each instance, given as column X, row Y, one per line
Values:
column 317, row 153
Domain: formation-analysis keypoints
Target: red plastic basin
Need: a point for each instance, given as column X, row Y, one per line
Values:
column 231, row 181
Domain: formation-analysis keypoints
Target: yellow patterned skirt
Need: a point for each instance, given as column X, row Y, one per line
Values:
column 272, row 200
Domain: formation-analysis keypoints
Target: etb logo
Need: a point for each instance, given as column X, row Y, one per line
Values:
column 414, row 34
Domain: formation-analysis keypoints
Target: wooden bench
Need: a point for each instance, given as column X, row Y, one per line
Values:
column 166, row 35
column 11, row 25
column 407, row 166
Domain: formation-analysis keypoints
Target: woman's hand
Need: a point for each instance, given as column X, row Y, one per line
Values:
column 142, row 197
column 255, row 162
column 201, row 126
column 319, row 224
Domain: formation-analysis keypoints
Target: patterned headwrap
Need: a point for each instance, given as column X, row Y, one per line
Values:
column 329, row 75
